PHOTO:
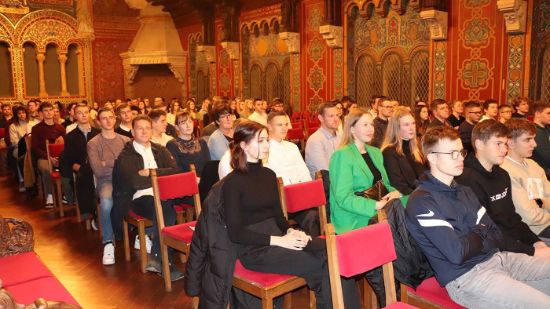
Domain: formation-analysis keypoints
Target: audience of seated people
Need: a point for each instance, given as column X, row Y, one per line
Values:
column 103, row 150
column 187, row 149
column 355, row 167
column 492, row 186
column 530, row 186
column 457, row 114
column 490, row 110
column 385, row 110
column 504, row 113
column 472, row 111
column 218, row 143
column 467, row 251
column 322, row 143
column 440, row 112
column 498, row 178
column 74, row 161
column 403, row 160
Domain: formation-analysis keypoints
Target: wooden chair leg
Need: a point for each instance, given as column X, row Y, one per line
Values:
column 126, row 240
column 195, row 302
column 369, row 297
column 287, row 301
column 165, row 267
column 312, row 300
column 78, row 215
column 88, row 224
column 58, row 197
column 142, row 246
column 267, row 303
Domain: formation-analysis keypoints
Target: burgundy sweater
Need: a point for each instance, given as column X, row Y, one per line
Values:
column 42, row 132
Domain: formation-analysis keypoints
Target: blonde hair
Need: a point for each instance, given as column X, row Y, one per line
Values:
column 350, row 120
column 393, row 138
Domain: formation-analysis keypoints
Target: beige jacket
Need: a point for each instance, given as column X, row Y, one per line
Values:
column 529, row 182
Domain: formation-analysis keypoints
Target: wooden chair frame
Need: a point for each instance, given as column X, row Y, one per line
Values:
column 141, row 224
column 57, row 191
column 165, row 240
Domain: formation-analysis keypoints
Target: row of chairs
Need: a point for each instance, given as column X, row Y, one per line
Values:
column 345, row 251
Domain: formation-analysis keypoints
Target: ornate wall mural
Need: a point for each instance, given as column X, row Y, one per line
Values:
column 388, row 55
column 539, row 88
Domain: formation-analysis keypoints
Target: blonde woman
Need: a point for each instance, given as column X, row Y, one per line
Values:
column 355, row 167
column 402, row 156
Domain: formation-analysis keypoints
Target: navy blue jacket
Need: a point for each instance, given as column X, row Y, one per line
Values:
column 450, row 227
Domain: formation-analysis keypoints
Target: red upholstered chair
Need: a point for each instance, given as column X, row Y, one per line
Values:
column 297, row 125
column 429, row 294
column 296, row 117
column 347, row 257
column 54, row 151
column 303, row 196
column 178, row 236
column 296, row 134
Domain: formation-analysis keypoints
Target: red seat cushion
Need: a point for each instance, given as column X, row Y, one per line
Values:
column 55, row 175
column 260, row 279
column 182, row 207
column 183, row 232
column 432, row 291
column 48, row 288
column 400, row 305
column 134, row 215
column 22, row 268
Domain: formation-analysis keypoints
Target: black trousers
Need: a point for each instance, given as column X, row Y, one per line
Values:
column 85, row 190
column 310, row 264
column 145, row 207
column 308, row 221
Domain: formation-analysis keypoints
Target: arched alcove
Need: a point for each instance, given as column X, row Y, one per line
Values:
column 52, row 71
column 6, row 76
column 71, row 69
column 30, row 64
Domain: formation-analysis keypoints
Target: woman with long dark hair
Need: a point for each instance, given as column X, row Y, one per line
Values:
column 255, row 221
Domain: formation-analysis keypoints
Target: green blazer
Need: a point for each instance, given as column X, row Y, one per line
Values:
column 348, row 174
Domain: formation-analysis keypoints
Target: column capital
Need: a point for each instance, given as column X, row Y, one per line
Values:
column 62, row 57
column 438, row 23
column 40, row 56
column 515, row 15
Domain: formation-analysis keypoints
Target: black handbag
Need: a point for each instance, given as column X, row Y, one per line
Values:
column 376, row 192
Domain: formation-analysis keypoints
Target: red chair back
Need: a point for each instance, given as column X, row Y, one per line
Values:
column 2, row 132
column 177, row 185
column 296, row 116
column 294, row 134
column 351, row 246
column 55, row 150
column 305, row 195
column 297, row 125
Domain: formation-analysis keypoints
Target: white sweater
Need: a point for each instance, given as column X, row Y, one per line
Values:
column 529, row 182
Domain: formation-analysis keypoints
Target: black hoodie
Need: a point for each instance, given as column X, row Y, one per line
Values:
column 494, row 191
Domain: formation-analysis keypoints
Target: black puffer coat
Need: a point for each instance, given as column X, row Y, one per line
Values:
column 211, row 263
column 411, row 266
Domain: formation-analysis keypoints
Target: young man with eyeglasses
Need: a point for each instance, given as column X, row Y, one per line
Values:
column 441, row 112
column 472, row 113
column 467, row 251
column 492, row 186
column 530, row 187
column 385, row 110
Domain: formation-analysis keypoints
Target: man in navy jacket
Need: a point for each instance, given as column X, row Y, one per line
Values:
column 466, row 250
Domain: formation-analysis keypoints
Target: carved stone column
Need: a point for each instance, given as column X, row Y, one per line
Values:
column 41, row 57
column 292, row 40
column 62, row 57
column 81, row 82
column 333, row 35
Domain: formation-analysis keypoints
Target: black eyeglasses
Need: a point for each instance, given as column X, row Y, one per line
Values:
column 454, row 154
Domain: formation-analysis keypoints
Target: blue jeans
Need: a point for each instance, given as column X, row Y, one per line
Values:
column 105, row 193
column 506, row 280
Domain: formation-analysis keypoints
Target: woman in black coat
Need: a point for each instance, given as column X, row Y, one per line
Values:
column 403, row 159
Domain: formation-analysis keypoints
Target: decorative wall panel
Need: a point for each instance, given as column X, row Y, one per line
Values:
column 539, row 88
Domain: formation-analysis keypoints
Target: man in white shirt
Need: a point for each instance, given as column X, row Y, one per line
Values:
column 159, row 136
column 286, row 161
column 321, row 145
column 259, row 115
column 132, row 184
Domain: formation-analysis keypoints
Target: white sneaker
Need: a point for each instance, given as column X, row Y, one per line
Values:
column 49, row 201
column 109, row 254
column 148, row 243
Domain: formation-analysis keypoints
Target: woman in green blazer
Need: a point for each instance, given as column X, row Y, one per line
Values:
column 356, row 166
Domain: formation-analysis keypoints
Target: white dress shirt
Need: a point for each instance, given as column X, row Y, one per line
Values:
column 164, row 139
column 148, row 162
column 286, row 161
column 225, row 164
column 319, row 148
